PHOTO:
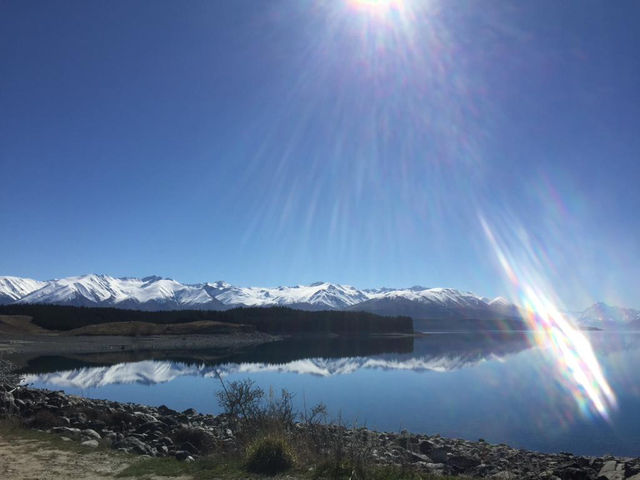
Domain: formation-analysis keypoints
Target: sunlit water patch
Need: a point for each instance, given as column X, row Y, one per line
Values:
column 500, row 389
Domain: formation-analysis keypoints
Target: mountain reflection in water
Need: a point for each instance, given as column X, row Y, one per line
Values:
column 315, row 356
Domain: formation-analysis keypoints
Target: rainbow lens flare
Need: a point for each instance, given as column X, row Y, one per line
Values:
column 579, row 371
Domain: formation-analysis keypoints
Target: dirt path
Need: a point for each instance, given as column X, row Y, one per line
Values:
column 33, row 459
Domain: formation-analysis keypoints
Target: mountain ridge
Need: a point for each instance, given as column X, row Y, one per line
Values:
column 156, row 293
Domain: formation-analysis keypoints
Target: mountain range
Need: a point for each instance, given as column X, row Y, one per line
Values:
column 157, row 293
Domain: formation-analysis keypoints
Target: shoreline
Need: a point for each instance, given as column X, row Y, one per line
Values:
column 19, row 345
column 146, row 430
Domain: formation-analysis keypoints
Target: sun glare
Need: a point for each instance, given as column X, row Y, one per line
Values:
column 377, row 6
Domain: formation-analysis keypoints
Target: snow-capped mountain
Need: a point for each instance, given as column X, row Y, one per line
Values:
column 157, row 293
column 320, row 295
column 149, row 293
column 605, row 316
column 420, row 302
column 15, row 288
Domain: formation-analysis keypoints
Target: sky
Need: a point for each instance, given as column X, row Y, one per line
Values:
column 482, row 146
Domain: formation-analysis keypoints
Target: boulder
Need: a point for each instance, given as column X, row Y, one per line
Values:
column 504, row 475
column 463, row 462
column 439, row 455
column 612, row 470
column 164, row 410
column 135, row 445
column 87, row 432
column 67, row 431
column 418, row 457
column 574, row 473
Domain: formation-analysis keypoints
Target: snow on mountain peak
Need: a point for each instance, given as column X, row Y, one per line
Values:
column 600, row 314
column 159, row 293
column 14, row 288
column 499, row 301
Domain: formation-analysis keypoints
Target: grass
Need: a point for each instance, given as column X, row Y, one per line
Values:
column 270, row 455
column 13, row 428
column 213, row 467
column 202, row 469
column 137, row 328
column 20, row 325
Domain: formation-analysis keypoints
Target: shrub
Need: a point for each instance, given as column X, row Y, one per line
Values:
column 279, row 411
column 8, row 378
column 245, row 401
column 200, row 439
column 269, row 455
column 240, row 398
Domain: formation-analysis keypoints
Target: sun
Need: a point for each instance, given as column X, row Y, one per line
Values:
column 377, row 6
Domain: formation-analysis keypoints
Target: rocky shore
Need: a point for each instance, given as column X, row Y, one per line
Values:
column 186, row 435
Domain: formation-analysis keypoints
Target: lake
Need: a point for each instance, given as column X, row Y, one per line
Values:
column 500, row 387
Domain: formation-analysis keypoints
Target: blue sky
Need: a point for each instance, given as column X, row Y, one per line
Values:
column 285, row 142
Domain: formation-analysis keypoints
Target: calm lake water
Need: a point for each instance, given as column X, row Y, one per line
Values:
column 492, row 386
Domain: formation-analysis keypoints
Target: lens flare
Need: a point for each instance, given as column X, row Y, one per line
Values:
column 579, row 370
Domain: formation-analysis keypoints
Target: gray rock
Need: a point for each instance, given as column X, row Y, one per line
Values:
column 612, row 470
column 425, row 447
column 439, row 455
column 504, row 475
column 91, row 434
column 90, row 443
column 67, row 431
column 145, row 417
column 435, row 467
column 134, row 444
column 182, row 455
column 463, row 462
column 574, row 473
column 418, row 457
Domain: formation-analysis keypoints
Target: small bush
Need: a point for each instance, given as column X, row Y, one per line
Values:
column 240, row 398
column 279, row 411
column 269, row 456
column 200, row 439
column 8, row 378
